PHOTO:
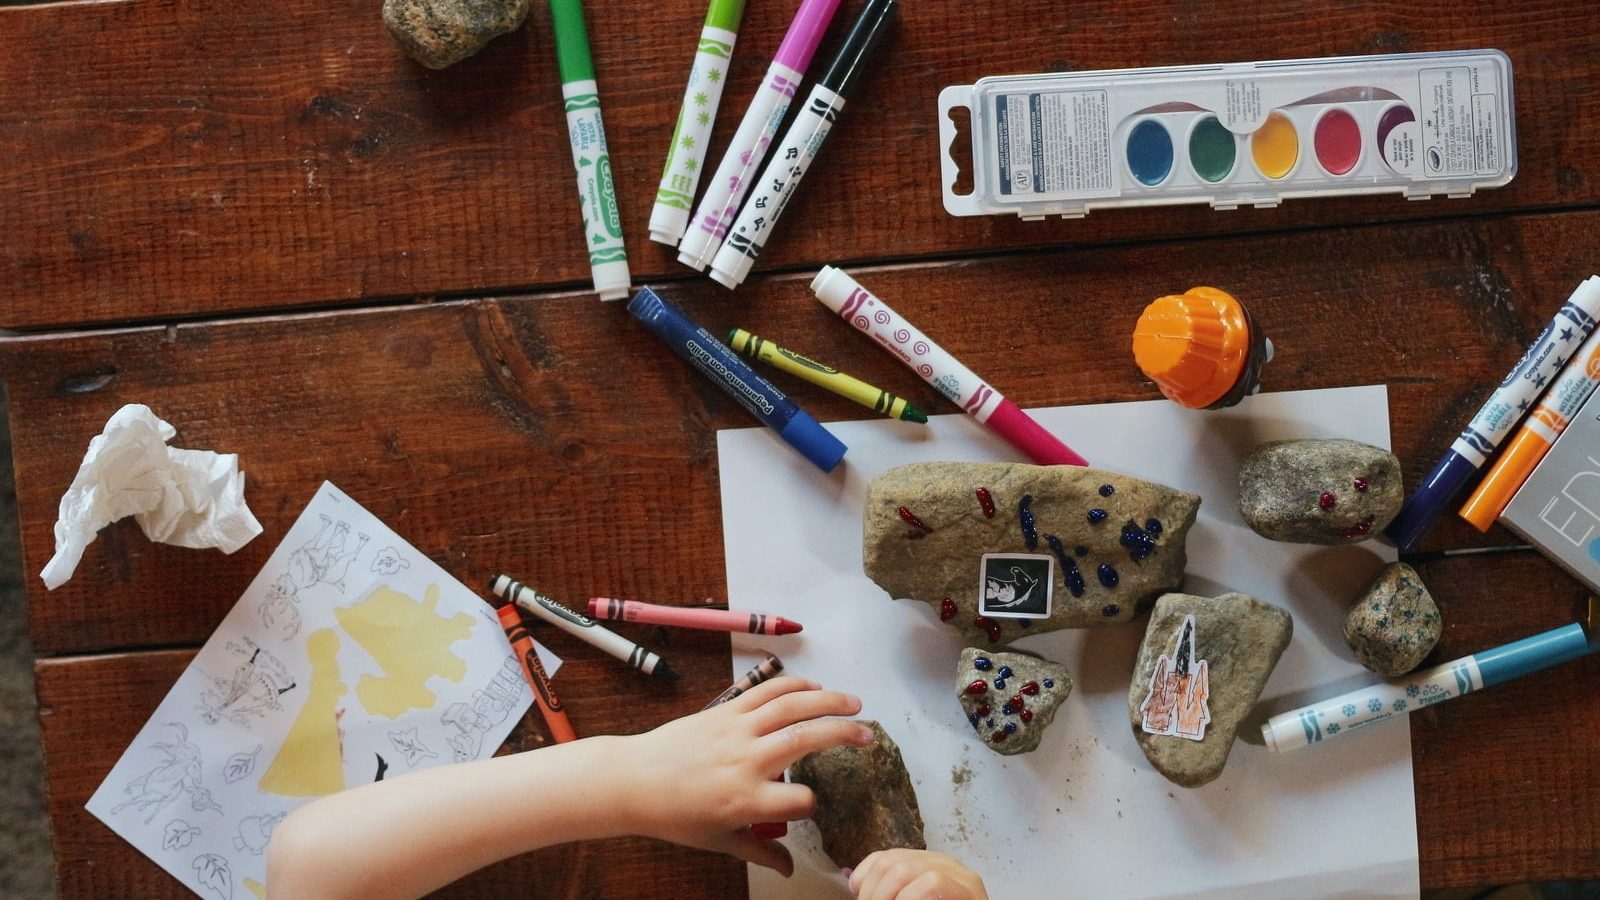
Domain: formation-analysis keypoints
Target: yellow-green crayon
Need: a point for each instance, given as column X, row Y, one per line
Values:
column 824, row 376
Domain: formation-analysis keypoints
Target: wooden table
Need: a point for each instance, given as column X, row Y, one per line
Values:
column 264, row 222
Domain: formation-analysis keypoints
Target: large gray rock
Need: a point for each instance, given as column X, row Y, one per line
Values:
column 1010, row 698
column 1394, row 625
column 865, row 802
column 1114, row 543
column 1201, row 680
column 440, row 33
column 1319, row 491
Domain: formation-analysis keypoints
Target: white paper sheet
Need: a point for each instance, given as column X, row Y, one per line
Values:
column 1086, row 815
column 351, row 657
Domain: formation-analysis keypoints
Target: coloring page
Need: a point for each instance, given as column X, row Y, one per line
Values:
column 350, row 658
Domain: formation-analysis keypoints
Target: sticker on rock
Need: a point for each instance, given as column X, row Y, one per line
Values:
column 1015, row 586
column 1176, row 702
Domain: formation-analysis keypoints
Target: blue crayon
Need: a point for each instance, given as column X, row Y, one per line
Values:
column 1499, row 415
column 700, row 349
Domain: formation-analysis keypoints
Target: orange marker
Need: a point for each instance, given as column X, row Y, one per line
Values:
column 543, row 697
column 1532, row 441
column 1201, row 348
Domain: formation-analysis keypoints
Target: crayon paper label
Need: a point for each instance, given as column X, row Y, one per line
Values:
column 1053, row 144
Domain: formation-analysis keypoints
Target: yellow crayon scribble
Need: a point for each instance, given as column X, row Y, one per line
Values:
column 411, row 641
column 310, row 762
column 257, row 888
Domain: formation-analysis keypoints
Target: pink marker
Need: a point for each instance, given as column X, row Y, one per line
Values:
column 689, row 617
column 742, row 161
column 872, row 317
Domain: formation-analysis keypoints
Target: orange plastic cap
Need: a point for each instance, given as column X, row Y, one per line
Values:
column 1193, row 345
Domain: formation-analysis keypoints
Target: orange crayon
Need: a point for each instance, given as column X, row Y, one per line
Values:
column 543, row 697
column 1538, row 432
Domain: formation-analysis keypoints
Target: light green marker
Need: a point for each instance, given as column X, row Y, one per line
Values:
column 681, row 175
column 597, row 193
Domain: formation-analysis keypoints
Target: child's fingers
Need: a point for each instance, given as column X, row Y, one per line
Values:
column 889, row 877
column 767, row 691
column 740, row 845
column 934, row 885
column 802, row 705
column 782, row 747
column 785, row 802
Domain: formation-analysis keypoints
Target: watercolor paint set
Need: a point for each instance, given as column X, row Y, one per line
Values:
column 1238, row 134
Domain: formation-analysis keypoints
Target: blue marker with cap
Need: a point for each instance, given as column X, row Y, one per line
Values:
column 1403, row 696
column 713, row 359
column 1499, row 415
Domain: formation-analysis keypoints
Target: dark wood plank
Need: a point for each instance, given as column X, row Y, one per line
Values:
column 208, row 156
column 557, row 438
column 91, row 708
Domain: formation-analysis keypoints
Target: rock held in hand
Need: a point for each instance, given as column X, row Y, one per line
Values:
column 1019, row 696
column 865, row 802
column 1319, row 491
column 1110, row 543
column 440, row 33
column 1395, row 624
column 1201, row 668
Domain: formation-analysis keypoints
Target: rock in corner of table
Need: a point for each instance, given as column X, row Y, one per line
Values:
column 1003, row 550
column 441, row 33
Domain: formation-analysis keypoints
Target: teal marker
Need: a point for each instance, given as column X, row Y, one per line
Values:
column 597, row 192
column 680, row 177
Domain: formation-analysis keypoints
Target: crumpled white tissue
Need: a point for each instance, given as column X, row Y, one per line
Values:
column 188, row 498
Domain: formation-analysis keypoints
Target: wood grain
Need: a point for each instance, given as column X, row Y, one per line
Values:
column 208, row 157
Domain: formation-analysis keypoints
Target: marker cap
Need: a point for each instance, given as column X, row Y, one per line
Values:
column 1531, row 654
column 611, row 280
column 805, row 32
column 1200, row 348
column 1494, row 493
column 572, row 41
column 1428, row 503
column 850, row 62
column 725, row 14
column 813, row 441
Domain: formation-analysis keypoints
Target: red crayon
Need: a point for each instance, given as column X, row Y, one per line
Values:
column 685, row 617
column 549, row 705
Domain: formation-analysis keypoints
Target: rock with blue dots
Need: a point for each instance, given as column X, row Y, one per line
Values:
column 1010, row 698
column 1394, row 624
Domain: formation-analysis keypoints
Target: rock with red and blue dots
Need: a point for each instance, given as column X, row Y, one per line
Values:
column 1115, row 543
column 1010, row 698
column 1328, row 491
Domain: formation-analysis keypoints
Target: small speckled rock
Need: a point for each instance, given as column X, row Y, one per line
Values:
column 1319, row 491
column 1206, row 679
column 1395, row 624
column 440, row 33
column 1010, row 698
column 865, row 802
column 1115, row 543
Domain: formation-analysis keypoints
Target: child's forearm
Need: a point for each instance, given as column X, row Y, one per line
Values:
column 405, row 837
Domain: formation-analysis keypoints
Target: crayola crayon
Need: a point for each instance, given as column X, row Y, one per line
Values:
column 875, row 399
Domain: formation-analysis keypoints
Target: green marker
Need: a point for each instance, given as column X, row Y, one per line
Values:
column 597, row 194
column 681, row 175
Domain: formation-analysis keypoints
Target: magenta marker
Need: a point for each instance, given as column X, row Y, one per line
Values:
column 872, row 317
column 756, row 131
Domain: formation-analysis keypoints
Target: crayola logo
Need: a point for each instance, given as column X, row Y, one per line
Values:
column 609, row 216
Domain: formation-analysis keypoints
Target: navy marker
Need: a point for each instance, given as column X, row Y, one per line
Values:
column 777, row 185
column 714, row 360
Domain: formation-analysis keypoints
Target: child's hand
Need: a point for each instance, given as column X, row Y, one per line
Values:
column 915, row 875
column 702, row 780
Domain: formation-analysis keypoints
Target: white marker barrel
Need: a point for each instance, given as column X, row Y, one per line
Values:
column 597, row 192
column 680, row 177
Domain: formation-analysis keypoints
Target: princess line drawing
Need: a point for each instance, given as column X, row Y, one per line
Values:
column 255, row 689
column 177, row 774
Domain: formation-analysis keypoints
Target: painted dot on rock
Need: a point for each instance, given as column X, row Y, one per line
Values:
column 1153, row 526
column 999, row 684
column 1005, row 671
column 1081, row 550
column 982, row 664
column 990, row 723
column 983, row 709
column 998, row 736
column 1007, row 709
column 1030, row 532
column 989, row 627
column 1108, row 575
column 1015, row 702
column 1359, row 529
column 1031, row 688
column 977, row 687
column 1096, row 516
column 986, row 501
column 910, row 518
column 1327, row 500
column 1025, row 623
column 1049, row 682
column 1107, row 490
column 973, row 718
column 1027, row 716
column 947, row 609
column 1011, row 728
column 1361, row 485
column 1110, row 609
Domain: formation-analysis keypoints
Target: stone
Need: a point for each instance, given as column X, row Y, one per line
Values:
column 1395, row 624
column 1200, row 670
column 1319, row 491
column 1010, row 698
column 865, row 802
column 440, row 33
column 1109, row 544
